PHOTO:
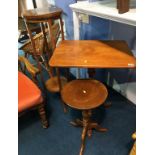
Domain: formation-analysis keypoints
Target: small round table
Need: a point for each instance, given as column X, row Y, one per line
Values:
column 85, row 95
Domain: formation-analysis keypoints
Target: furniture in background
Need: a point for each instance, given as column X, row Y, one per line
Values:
column 88, row 94
column 45, row 42
column 29, row 95
column 133, row 150
column 42, row 51
column 25, row 5
column 123, row 6
column 22, row 29
column 85, row 95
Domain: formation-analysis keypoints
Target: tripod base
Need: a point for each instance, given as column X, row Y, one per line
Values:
column 88, row 126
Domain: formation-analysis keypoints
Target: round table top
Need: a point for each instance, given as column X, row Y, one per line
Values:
column 42, row 13
column 84, row 94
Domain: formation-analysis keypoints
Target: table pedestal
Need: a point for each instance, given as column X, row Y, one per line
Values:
column 87, row 125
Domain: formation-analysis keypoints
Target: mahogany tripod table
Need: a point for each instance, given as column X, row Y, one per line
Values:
column 87, row 94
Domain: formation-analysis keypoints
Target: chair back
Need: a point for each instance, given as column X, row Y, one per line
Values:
column 50, row 29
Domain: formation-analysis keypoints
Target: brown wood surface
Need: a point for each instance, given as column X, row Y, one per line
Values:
column 123, row 6
column 93, row 54
column 53, row 84
column 42, row 13
column 84, row 94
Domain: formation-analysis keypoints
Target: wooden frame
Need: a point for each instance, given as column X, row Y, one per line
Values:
column 41, row 107
column 42, row 16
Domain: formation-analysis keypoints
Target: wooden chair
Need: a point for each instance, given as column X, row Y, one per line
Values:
column 51, row 84
column 45, row 42
column 41, row 52
column 29, row 95
column 22, row 29
column 23, row 5
column 85, row 95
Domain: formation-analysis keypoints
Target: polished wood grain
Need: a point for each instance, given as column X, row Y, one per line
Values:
column 53, row 84
column 42, row 13
column 85, row 95
column 93, row 54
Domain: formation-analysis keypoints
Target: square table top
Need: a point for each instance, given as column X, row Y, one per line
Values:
column 93, row 54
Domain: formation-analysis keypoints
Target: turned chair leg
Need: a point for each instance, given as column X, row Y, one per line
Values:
column 43, row 117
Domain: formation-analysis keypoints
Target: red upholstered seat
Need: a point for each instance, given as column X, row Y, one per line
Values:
column 29, row 94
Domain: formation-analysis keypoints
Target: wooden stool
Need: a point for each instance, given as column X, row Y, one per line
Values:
column 85, row 95
column 45, row 17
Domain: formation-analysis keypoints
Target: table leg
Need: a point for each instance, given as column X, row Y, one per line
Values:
column 60, row 88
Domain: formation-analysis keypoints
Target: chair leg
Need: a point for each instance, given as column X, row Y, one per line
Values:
column 43, row 117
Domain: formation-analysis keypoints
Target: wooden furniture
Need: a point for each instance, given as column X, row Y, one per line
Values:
column 40, row 47
column 133, row 150
column 123, row 6
column 24, row 5
column 46, row 16
column 106, row 9
column 93, row 54
column 42, row 15
column 23, row 64
column 88, row 94
column 29, row 95
column 22, row 29
column 85, row 95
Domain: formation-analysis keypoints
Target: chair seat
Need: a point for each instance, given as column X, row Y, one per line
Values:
column 84, row 94
column 29, row 94
column 52, row 84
